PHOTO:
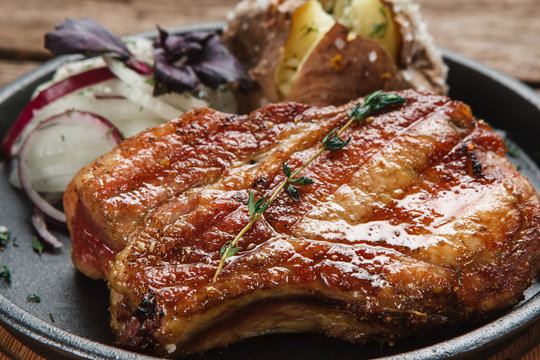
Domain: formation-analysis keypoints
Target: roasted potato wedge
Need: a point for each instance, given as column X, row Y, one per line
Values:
column 327, row 52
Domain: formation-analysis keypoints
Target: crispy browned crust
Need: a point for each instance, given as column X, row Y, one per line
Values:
column 419, row 221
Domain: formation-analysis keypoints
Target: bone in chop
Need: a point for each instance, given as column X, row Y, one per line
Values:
column 419, row 221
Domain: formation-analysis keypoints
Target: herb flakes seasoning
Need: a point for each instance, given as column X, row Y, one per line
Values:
column 5, row 236
column 5, row 273
column 37, row 245
column 379, row 30
column 33, row 298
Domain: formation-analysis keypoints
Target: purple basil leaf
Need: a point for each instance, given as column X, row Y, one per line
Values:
column 88, row 37
column 203, row 53
column 85, row 36
column 168, row 77
column 178, row 46
column 216, row 65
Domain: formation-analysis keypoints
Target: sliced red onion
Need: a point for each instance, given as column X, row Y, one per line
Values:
column 68, row 118
column 39, row 224
column 11, row 143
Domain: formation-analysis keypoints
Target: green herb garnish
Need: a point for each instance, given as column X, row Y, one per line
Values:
column 4, row 237
column 51, row 317
column 331, row 142
column 41, row 128
column 291, row 189
column 5, row 273
column 37, row 245
column 308, row 29
column 109, row 132
column 33, row 298
column 379, row 30
column 150, row 81
column 458, row 272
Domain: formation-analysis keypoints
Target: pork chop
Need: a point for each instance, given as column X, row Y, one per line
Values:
column 418, row 222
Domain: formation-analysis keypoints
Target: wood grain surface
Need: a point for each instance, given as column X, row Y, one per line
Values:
column 503, row 34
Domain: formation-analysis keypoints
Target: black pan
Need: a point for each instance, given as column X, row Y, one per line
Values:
column 78, row 305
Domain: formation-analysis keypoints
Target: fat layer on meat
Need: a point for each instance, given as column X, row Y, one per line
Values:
column 419, row 221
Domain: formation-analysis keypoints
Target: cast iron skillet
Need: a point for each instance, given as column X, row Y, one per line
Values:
column 78, row 305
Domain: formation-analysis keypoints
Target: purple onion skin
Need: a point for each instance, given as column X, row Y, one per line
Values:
column 39, row 224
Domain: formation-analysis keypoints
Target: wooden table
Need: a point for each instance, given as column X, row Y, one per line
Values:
column 504, row 34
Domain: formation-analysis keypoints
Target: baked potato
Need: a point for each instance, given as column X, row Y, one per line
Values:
column 328, row 52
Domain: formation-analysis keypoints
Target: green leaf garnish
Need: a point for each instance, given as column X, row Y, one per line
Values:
column 5, row 273
column 379, row 30
column 256, row 207
column 293, row 191
column 360, row 112
column 308, row 29
column 304, row 180
column 381, row 101
column 224, row 248
column 286, row 169
column 44, row 127
column 37, row 245
column 251, row 205
column 231, row 250
column 33, row 298
column 261, row 206
column 458, row 272
column 4, row 238
column 333, row 142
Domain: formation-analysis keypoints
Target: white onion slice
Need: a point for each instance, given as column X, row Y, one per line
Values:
column 129, row 117
column 25, row 122
column 183, row 101
column 50, row 172
column 150, row 103
column 55, row 126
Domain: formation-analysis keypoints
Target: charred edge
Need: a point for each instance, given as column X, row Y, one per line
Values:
column 259, row 181
column 239, row 198
column 476, row 165
column 147, row 309
column 147, row 319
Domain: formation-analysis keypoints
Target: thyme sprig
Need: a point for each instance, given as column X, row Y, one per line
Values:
column 290, row 188
column 332, row 141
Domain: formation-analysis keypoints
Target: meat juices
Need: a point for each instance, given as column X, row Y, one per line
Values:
column 419, row 221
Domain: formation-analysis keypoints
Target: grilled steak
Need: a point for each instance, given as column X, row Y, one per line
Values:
column 419, row 221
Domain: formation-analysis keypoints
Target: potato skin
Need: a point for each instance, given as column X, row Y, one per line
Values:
column 256, row 36
column 335, row 76
column 334, row 72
